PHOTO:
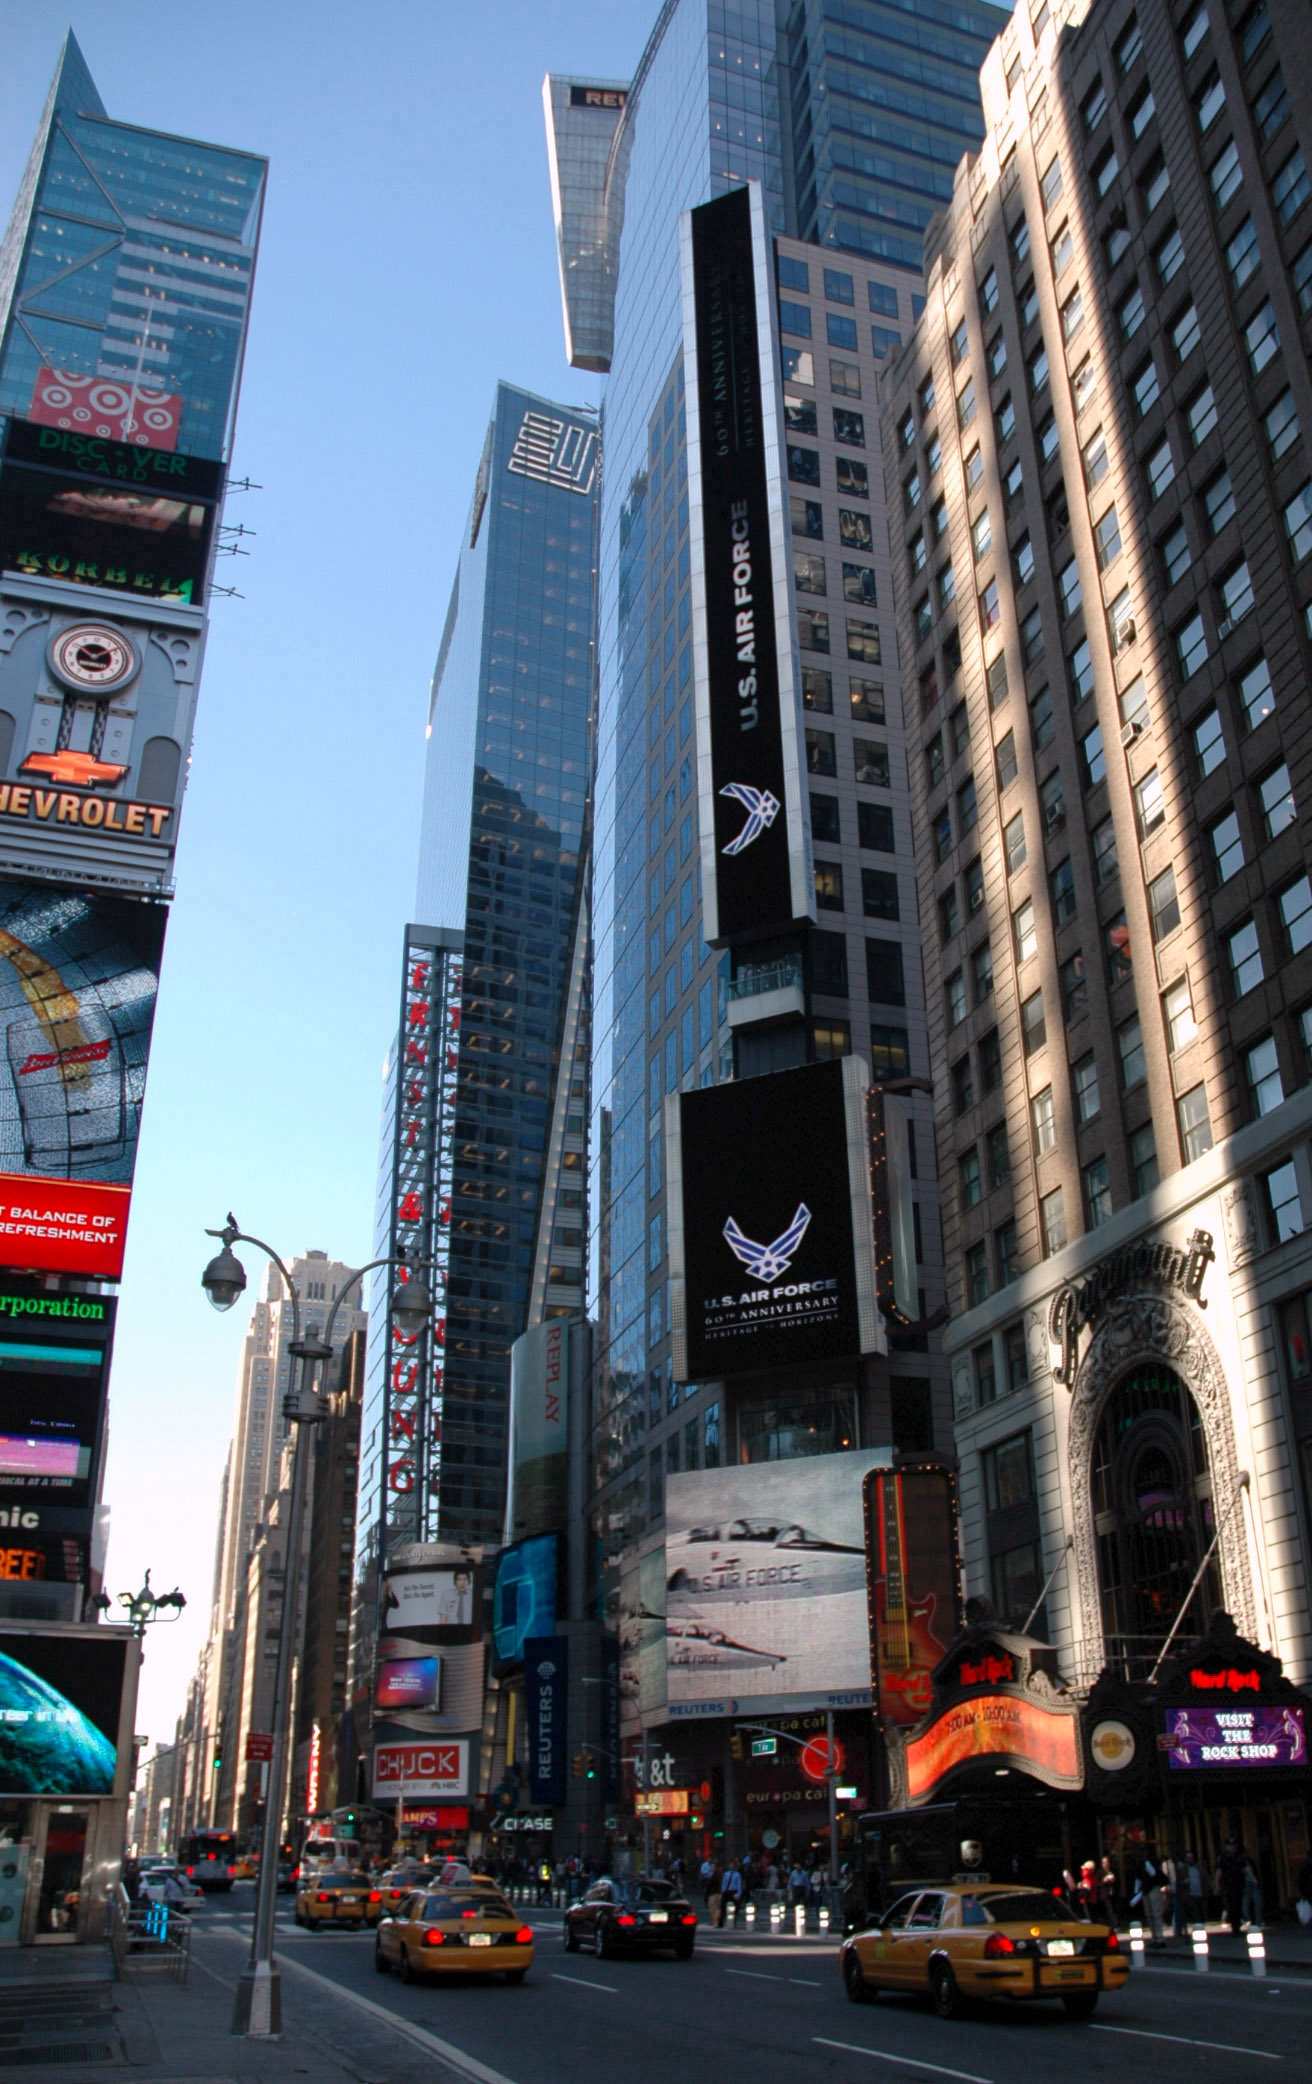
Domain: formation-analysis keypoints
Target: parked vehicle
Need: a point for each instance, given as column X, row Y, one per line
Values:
column 625, row 1914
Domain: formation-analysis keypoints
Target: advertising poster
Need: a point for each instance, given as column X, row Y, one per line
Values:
column 1234, row 1736
column 408, row 1682
column 756, row 872
column 1044, row 1739
column 766, row 1579
column 61, row 1697
column 911, row 1548
column 546, row 1691
column 79, row 974
column 54, row 1361
column 428, row 1599
column 771, row 1233
column 425, row 1767
column 539, row 1392
column 135, row 520
column 524, row 1600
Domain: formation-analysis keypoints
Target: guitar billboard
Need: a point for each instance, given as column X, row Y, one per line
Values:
column 913, row 1584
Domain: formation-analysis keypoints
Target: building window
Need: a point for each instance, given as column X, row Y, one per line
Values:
column 999, row 1153
column 1236, row 598
column 1149, row 806
column 1129, row 1043
column 1084, row 1077
column 711, row 1437
column 1262, row 1075
column 1052, row 1219
column 874, row 821
column 1159, row 469
column 990, row 1061
column 820, row 754
column 969, row 1183
column 1013, row 841
column 1277, row 799
column 1284, row 1207
column 1227, row 846
column 1209, row 742
column 1243, row 254
column 1106, row 862
column 867, row 700
column 879, row 898
column 1074, row 984
column 817, row 690
column 800, row 414
column 986, row 1386
column 1282, row 428
column 1262, row 338
column 1145, row 387
column 1031, row 636
column 1195, row 1123
column 1024, row 933
column 1298, row 522
column 1178, row 1012
column 824, row 820
column 1006, row 1245
column 863, row 642
column 1052, row 803
column 1244, row 957
column 1175, row 554
column 1290, row 189
column 1034, row 1032
column 845, row 379
column 813, row 629
column 859, row 584
column 1043, row 1122
column 1185, row 333
column 806, row 517
column 963, row 1085
column 1120, row 955
column 809, row 572
column 1092, row 757
column 1143, row 1160
column 829, row 886
column 954, row 995
column 831, row 1038
column 1295, row 906
column 884, row 978
column 1097, row 1193
column 1061, row 886
column 981, row 963
column 1107, row 536
column 1163, row 904
column 977, row 1276
column 1272, row 105
column 794, row 318
column 853, row 477
column 1051, row 183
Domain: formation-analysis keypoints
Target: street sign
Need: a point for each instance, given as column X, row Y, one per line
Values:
column 1167, row 1740
column 845, row 1794
column 764, row 1747
column 259, row 1747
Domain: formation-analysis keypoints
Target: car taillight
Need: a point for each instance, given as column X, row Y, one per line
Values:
column 689, row 1918
column 626, row 1917
column 998, row 1943
column 323, row 1897
column 524, row 1936
column 375, row 1895
column 190, row 1872
column 433, row 1938
column 469, row 1913
column 1111, row 1945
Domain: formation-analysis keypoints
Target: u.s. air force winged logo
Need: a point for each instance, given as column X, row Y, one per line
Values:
column 767, row 1262
column 762, row 809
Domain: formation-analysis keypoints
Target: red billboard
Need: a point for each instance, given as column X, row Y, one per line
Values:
column 63, row 1226
column 105, row 407
column 912, row 1585
column 1041, row 1737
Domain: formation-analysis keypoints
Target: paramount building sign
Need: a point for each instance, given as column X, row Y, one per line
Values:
column 1147, row 1264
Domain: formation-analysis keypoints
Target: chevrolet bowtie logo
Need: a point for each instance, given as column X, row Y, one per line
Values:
column 79, row 769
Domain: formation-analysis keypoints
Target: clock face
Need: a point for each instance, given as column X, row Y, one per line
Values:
column 92, row 657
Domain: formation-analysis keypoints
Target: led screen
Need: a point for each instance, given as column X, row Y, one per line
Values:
column 1202, row 1737
column 766, row 1579
column 79, row 974
column 524, row 1602
column 407, row 1682
column 60, row 1698
column 427, row 1599
column 52, row 1398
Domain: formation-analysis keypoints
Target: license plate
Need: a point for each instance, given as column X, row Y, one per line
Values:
column 660, row 1917
column 1061, row 1946
column 480, row 1939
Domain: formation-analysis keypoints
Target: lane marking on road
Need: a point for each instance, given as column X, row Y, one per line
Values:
column 804, row 1982
column 1141, row 2033
column 456, row 2058
column 584, row 1984
column 754, row 1975
column 908, row 2062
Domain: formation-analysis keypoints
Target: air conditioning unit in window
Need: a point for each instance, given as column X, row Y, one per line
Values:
column 1130, row 731
column 1125, row 633
column 1053, row 821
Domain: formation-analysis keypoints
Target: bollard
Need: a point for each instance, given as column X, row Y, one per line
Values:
column 799, row 1920
column 776, row 1916
column 1256, row 1950
column 1136, row 1947
column 751, row 1912
column 824, row 1917
column 1202, row 1962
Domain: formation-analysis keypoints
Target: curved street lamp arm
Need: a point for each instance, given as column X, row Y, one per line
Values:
column 231, row 1235
column 392, row 1259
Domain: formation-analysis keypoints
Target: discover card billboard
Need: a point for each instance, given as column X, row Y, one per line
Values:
column 771, row 1235
column 766, row 1580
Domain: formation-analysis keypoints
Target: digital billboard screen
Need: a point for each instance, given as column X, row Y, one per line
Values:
column 54, row 1361
column 79, row 975
column 408, row 1682
column 424, row 1599
column 756, row 872
column 771, row 1233
column 914, row 1586
column 61, row 1696
column 524, row 1601
column 1259, row 1736
column 766, row 1579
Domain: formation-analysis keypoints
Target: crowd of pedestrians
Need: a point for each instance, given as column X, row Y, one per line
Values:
column 1180, row 1888
column 728, row 1887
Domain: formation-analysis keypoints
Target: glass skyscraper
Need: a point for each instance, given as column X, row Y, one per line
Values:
column 501, row 845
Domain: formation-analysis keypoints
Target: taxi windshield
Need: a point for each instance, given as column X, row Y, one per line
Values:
column 1025, row 1907
column 455, row 1903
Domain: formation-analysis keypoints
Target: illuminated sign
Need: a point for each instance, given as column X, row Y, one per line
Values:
column 38, row 806
column 85, row 455
column 771, row 1233
column 435, row 1817
column 408, row 1682
column 62, row 1701
column 756, row 870
column 111, row 536
column 52, row 1399
column 423, row 1769
column 671, row 1801
column 524, row 1600
column 102, row 406
column 312, row 1778
column 1227, row 1681
column 546, row 1693
column 423, row 1599
column 1201, row 1737
column 912, row 1584
column 79, row 974
column 597, row 97
column 1042, row 1741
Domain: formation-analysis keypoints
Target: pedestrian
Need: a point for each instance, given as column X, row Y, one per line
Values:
column 1107, row 1891
column 731, row 1894
column 1086, row 1892
column 1149, row 1897
column 1252, row 1902
column 1195, row 1887
column 1176, row 1892
column 1230, row 1880
column 796, row 1884
column 1303, row 1891
column 707, row 1875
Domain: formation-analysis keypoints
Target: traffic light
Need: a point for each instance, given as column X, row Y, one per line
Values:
column 592, row 1768
column 736, row 1746
column 577, row 1764
column 218, row 1758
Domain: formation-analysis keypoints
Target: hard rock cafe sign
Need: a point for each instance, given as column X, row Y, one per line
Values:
column 1147, row 1264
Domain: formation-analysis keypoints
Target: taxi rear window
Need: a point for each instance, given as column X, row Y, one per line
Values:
column 1028, row 1907
column 343, row 1881
column 453, row 1902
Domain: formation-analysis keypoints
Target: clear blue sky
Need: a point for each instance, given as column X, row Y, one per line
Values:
column 407, row 262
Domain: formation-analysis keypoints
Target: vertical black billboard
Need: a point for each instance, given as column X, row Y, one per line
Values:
column 54, row 1364
column 771, row 1239
column 913, row 1583
column 753, row 863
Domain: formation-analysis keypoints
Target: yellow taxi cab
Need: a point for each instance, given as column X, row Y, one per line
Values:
column 988, row 1940
column 245, row 1867
column 387, row 1892
column 332, row 1897
column 461, row 1931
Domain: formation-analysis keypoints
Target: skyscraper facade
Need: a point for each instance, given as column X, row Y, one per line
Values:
column 1096, row 451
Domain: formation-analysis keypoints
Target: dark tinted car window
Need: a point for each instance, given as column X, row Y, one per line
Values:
column 1028, row 1908
column 648, row 1892
column 928, row 1911
column 893, row 1920
column 343, row 1881
column 452, row 1903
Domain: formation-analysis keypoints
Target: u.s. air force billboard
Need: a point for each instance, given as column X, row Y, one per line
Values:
column 771, row 1236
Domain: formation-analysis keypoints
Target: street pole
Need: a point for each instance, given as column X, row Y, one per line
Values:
column 257, row 2008
column 831, row 1781
column 646, row 1818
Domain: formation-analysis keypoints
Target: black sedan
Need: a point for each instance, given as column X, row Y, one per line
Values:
column 623, row 1914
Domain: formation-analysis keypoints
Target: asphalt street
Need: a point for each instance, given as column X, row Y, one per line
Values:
column 746, row 2011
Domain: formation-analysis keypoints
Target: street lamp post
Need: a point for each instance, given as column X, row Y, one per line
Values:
column 257, row 2010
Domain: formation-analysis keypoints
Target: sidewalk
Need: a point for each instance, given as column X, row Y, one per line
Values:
column 63, row 2015
column 1288, row 1948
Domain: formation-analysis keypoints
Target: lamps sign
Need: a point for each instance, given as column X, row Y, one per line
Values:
column 427, row 1061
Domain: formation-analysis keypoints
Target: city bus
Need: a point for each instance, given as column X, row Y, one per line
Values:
column 975, row 1838
column 209, row 1858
